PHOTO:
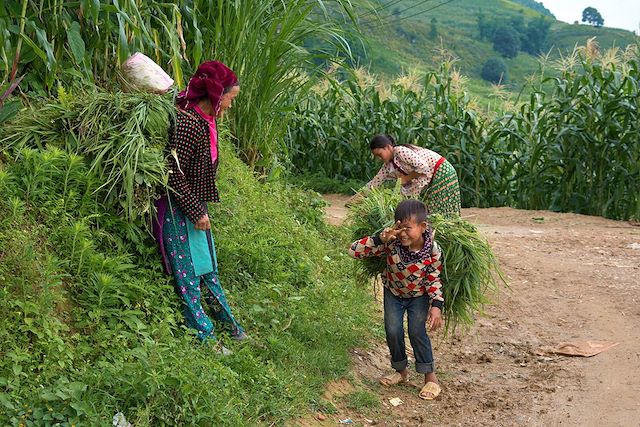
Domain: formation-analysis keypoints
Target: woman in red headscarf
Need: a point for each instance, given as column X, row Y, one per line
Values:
column 182, row 227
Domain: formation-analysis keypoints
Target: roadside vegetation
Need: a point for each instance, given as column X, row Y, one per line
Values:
column 91, row 326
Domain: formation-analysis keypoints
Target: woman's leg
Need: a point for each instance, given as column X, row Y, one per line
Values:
column 216, row 299
column 186, row 282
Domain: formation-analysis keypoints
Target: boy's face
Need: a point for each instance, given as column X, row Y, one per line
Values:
column 411, row 233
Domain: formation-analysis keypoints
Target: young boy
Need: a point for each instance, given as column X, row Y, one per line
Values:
column 411, row 285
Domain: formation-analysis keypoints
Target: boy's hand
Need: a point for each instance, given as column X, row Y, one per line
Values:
column 390, row 234
column 434, row 319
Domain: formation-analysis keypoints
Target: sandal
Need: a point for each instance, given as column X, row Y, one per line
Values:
column 222, row 350
column 393, row 379
column 430, row 391
column 242, row 336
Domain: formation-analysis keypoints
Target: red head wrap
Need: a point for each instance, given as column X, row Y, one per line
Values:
column 210, row 80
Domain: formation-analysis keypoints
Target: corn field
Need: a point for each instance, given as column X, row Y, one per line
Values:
column 574, row 145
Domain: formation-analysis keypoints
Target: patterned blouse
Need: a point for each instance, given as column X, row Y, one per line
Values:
column 405, row 161
column 408, row 274
column 192, row 173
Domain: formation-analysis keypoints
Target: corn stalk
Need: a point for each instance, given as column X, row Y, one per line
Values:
column 572, row 146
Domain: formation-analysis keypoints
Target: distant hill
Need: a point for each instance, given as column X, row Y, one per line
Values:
column 537, row 6
column 406, row 34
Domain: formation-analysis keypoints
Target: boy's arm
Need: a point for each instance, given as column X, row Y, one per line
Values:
column 366, row 247
column 434, row 285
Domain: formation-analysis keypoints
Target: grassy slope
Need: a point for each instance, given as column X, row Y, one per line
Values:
column 404, row 45
column 90, row 329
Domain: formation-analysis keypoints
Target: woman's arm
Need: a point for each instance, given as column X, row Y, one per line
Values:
column 384, row 174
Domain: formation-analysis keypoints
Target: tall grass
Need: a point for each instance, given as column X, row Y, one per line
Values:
column 53, row 42
column 121, row 136
column 572, row 146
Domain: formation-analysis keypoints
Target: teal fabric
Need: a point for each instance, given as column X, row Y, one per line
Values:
column 193, row 288
column 200, row 250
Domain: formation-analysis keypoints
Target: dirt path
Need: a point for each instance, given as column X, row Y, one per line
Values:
column 572, row 277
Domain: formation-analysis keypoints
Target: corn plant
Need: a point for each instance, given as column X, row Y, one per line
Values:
column 572, row 146
column 331, row 130
column 578, row 144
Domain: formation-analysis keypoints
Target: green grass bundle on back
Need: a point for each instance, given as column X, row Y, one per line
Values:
column 122, row 136
column 470, row 270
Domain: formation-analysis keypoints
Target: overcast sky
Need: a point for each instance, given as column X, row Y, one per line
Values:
column 616, row 13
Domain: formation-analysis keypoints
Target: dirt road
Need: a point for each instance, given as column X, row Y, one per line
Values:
column 571, row 277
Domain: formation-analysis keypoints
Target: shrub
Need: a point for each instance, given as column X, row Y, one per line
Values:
column 494, row 70
column 92, row 327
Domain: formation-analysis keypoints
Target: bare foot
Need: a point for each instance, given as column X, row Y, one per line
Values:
column 395, row 378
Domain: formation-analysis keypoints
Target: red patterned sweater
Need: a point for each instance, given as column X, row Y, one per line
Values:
column 408, row 274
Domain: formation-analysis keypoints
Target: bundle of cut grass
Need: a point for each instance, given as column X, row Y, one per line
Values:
column 470, row 270
column 121, row 135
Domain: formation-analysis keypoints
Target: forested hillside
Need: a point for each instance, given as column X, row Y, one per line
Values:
column 409, row 34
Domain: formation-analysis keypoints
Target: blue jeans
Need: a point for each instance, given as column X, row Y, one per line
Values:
column 417, row 309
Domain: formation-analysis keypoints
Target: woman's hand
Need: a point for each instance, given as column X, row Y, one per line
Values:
column 203, row 223
column 406, row 179
column 390, row 234
column 434, row 319
column 354, row 199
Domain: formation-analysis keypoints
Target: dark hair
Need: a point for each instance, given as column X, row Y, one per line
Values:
column 384, row 139
column 411, row 208
column 381, row 141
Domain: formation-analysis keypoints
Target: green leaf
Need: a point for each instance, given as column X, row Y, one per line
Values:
column 48, row 396
column 76, row 44
column 41, row 35
column 94, row 9
column 41, row 54
column 123, row 45
column 9, row 110
column 4, row 400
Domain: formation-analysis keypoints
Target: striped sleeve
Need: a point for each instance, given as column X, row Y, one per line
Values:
column 366, row 247
column 434, row 284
